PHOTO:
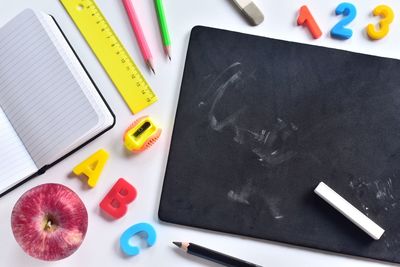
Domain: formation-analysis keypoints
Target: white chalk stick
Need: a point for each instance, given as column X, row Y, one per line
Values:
column 348, row 210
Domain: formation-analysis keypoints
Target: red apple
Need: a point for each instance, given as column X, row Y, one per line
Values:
column 49, row 222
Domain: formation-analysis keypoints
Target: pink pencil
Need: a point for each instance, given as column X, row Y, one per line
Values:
column 144, row 47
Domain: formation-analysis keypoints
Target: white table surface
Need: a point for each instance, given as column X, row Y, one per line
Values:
column 146, row 171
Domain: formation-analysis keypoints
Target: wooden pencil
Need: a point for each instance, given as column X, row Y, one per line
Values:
column 214, row 256
column 137, row 29
column 162, row 20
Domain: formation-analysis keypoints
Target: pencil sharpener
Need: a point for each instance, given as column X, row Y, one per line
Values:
column 141, row 134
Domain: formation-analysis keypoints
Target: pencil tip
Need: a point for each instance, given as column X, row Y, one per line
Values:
column 178, row 244
column 150, row 65
column 152, row 69
column 167, row 50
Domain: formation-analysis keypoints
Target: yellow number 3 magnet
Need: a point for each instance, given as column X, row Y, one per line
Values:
column 387, row 15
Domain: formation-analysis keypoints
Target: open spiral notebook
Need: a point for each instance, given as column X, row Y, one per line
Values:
column 49, row 106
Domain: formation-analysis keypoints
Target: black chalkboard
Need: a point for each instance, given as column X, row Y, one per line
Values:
column 260, row 122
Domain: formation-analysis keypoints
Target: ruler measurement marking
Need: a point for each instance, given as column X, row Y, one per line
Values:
column 118, row 64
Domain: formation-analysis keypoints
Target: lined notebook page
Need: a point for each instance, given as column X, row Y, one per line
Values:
column 105, row 117
column 38, row 93
column 15, row 162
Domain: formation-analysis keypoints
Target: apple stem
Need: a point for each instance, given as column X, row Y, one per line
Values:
column 48, row 225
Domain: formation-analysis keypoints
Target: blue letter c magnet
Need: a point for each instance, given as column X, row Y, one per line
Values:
column 140, row 228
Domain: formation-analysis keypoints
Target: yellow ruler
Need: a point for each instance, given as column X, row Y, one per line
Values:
column 111, row 53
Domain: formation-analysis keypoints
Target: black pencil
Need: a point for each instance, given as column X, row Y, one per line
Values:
column 214, row 256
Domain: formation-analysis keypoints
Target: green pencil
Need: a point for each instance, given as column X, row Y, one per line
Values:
column 163, row 27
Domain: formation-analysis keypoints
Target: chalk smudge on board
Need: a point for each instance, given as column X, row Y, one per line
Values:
column 226, row 79
column 377, row 194
column 241, row 196
column 218, row 78
column 273, row 145
column 238, row 197
column 273, row 205
column 230, row 120
column 392, row 240
column 276, row 144
column 384, row 189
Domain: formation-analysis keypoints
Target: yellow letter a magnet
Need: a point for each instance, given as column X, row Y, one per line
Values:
column 92, row 167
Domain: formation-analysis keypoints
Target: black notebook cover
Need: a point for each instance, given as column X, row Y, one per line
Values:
column 45, row 168
column 260, row 122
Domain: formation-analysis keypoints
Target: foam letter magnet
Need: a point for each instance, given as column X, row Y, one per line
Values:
column 140, row 228
column 116, row 201
column 92, row 167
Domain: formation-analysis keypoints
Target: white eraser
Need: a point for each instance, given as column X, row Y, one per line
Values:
column 250, row 10
column 348, row 210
